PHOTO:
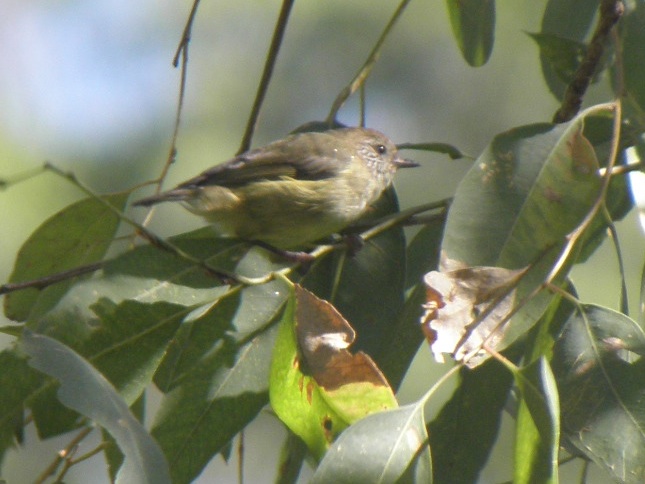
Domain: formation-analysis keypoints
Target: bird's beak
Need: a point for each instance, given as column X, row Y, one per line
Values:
column 403, row 163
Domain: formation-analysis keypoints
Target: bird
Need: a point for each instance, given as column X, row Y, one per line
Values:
column 293, row 191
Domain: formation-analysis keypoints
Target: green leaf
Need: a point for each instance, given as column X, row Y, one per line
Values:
column 633, row 39
column 538, row 427
column 77, row 235
column 463, row 433
column 318, row 387
column 564, row 55
column 224, row 392
column 602, row 387
column 227, row 385
column 473, row 25
column 528, row 190
column 195, row 339
column 444, row 148
column 390, row 446
column 295, row 397
column 396, row 357
column 17, row 381
column 423, row 252
column 85, row 390
column 565, row 19
column 126, row 343
column 131, row 341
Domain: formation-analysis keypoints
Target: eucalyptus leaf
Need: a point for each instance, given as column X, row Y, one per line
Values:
column 85, row 390
column 567, row 19
column 602, row 387
column 390, row 446
column 77, row 235
column 473, row 25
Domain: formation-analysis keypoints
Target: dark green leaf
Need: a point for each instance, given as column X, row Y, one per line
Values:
column 195, row 339
column 85, row 390
column 17, row 381
column 602, row 389
column 383, row 447
column 473, row 25
column 227, row 385
column 131, row 342
column 566, row 19
column 443, row 148
column 126, row 342
column 423, row 252
column 396, row 357
column 77, row 235
column 564, row 55
column 634, row 55
column 223, row 393
column 463, row 434
column 292, row 457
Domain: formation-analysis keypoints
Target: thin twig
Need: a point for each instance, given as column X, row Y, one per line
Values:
column 272, row 56
column 610, row 13
column 69, row 462
column 181, row 52
column 43, row 282
column 364, row 72
column 62, row 455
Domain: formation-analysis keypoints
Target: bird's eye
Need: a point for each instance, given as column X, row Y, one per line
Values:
column 381, row 149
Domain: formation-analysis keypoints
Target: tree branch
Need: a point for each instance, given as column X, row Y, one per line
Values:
column 610, row 13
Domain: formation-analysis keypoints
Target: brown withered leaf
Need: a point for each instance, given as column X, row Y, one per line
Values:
column 323, row 338
column 466, row 307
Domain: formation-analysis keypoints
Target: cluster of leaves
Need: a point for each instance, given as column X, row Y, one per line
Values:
column 534, row 203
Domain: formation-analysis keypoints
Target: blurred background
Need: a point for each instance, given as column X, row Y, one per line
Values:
column 89, row 86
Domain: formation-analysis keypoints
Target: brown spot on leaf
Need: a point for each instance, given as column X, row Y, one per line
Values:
column 323, row 339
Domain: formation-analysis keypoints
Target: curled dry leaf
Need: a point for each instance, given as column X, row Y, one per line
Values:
column 466, row 307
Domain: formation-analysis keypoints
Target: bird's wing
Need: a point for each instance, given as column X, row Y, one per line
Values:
column 299, row 156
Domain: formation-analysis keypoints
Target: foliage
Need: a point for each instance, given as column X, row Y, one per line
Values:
column 224, row 330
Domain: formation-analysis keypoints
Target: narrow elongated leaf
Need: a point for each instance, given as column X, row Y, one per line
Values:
column 85, row 390
column 77, row 235
column 389, row 446
column 473, row 25
column 536, row 459
column 515, row 207
column 602, row 390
